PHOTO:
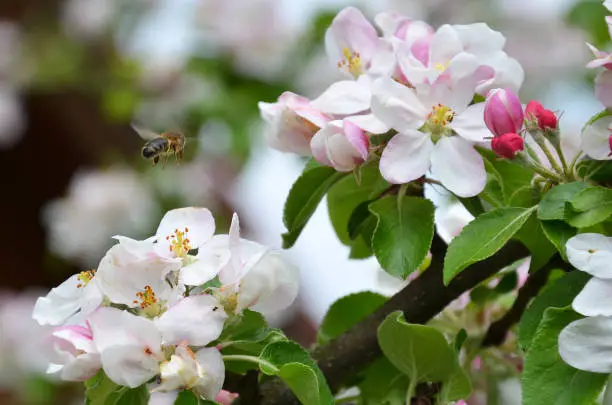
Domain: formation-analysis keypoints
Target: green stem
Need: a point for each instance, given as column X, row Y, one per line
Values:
column 251, row 359
column 401, row 193
column 542, row 144
column 410, row 391
column 573, row 163
column 563, row 161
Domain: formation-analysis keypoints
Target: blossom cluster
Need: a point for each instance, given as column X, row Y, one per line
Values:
column 149, row 310
column 410, row 81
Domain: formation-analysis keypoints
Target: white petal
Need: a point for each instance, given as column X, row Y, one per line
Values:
column 82, row 368
column 509, row 73
column 444, row 45
column 406, row 157
column 397, row 105
column 345, row 98
column 458, row 166
column 128, row 365
column 369, row 123
column 197, row 319
column 211, row 258
column 595, row 139
column 270, row 285
column 592, row 253
column 244, row 255
column 470, row 124
column 162, row 398
column 586, row 345
column 479, row 38
column 214, row 372
column 595, row 298
column 199, row 221
column 603, row 88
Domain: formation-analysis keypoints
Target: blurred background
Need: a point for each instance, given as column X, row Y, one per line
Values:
column 75, row 73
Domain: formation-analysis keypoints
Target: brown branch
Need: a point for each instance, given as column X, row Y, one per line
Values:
column 420, row 301
column 498, row 330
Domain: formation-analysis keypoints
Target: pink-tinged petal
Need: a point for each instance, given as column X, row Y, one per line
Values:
column 603, row 88
column 270, row 285
column 81, row 337
column 82, row 367
column 390, row 22
column 595, row 298
column 445, row 44
column 479, row 38
column 397, row 105
column 470, row 124
column 129, row 346
column 406, row 157
column 595, row 139
column 357, row 138
column 458, row 166
column 420, row 50
column 509, row 73
column 503, row 112
column 591, row 253
column 352, row 31
column 369, row 123
column 226, row 398
column 331, row 147
column 585, row 344
column 199, row 222
column 383, row 61
column 214, row 372
column 345, row 97
column 414, row 66
column 197, row 319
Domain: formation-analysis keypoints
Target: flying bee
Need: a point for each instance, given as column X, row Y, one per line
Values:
column 161, row 146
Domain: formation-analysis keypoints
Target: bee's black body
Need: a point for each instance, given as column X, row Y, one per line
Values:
column 154, row 147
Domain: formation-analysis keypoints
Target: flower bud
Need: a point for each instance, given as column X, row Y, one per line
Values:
column 610, row 145
column 545, row 119
column 507, row 145
column 503, row 112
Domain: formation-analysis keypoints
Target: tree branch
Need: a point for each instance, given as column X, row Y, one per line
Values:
column 420, row 301
column 498, row 330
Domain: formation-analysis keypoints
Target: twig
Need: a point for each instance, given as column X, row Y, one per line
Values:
column 498, row 330
column 420, row 300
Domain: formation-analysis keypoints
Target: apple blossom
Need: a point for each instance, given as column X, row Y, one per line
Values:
column 202, row 372
column 503, row 112
column 596, row 138
column 76, row 357
column 69, row 302
column 603, row 88
column 427, row 126
column 507, row 145
column 540, row 116
column 341, row 145
column 183, row 230
column 291, row 123
column 255, row 277
column 602, row 59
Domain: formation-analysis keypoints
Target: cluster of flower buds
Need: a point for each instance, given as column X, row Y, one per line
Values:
column 153, row 306
column 408, row 81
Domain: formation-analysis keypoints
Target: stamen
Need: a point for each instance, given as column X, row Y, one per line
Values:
column 180, row 245
column 352, row 62
column 146, row 298
column 85, row 277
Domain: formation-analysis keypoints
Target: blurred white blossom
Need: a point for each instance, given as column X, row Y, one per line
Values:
column 87, row 19
column 98, row 205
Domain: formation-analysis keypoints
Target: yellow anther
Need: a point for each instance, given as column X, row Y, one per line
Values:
column 179, row 243
column 85, row 277
column 146, row 298
column 441, row 67
column 351, row 62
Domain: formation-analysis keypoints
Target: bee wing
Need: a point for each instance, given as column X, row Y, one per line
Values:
column 144, row 133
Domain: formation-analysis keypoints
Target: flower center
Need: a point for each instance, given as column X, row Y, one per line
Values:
column 351, row 62
column 85, row 277
column 148, row 302
column 441, row 67
column 179, row 242
column 438, row 119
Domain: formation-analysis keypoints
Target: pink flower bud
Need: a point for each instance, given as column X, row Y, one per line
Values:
column 546, row 119
column 610, row 145
column 503, row 112
column 226, row 397
column 507, row 145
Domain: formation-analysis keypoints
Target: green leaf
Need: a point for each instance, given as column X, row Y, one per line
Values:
column 558, row 233
column 299, row 371
column 346, row 195
column 558, row 294
column 403, row 234
column 590, row 206
column 100, row 390
column 383, row 384
column 546, row 378
column 346, row 312
column 459, row 339
column 423, row 354
column 304, row 197
column 189, row 398
column 588, row 15
column 552, row 205
column 482, row 238
column 510, row 177
column 534, row 239
column 361, row 221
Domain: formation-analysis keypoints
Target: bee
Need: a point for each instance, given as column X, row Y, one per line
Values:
column 161, row 146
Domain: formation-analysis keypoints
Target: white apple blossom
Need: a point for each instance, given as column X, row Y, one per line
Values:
column 592, row 253
column 596, row 139
column 69, row 302
column 602, row 59
column 291, row 123
column 76, row 357
column 186, row 229
column 203, row 372
column 255, row 277
column 428, row 125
